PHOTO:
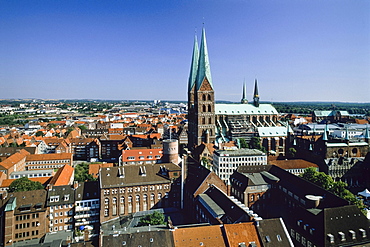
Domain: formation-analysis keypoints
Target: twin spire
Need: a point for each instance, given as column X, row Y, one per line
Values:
column 200, row 68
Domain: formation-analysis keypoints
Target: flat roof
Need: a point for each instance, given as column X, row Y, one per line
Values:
column 239, row 152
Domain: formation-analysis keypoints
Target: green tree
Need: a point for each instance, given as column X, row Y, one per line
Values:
column 39, row 133
column 255, row 143
column 243, row 143
column 24, row 184
column 153, row 219
column 82, row 127
column 52, row 126
column 82, row 173
column 338, row 188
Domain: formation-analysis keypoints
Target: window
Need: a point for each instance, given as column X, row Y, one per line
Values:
column 331, row 238
column 362, row 233
column 352, row 234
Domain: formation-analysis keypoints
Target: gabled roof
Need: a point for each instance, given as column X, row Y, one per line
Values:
column 14, row 159
column 51, row 156
column 292, row 164
column 272, row 131
column 64, row 176
column 199, row 236
column 273, row 233
column 242, row 233
column 131, row 175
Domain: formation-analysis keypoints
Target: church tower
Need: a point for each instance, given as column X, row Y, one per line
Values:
column 256, row 97
column 201, row 98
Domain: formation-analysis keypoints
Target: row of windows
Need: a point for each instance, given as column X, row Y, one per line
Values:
column 61, row 228
column 26, row 225
column 45, row 167
column 66, row 213
column 143, row 157
column 27, row 217
column 238, row 159
column 26, row 234
column 137, row 198
column 136, row 189
column 87, row 204
column 61, row 206
column 66, row 220
column 47, row 162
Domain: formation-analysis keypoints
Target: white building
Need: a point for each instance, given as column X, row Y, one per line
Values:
column 226, row 161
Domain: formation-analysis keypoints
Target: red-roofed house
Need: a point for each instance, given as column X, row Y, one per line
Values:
column 15, row 162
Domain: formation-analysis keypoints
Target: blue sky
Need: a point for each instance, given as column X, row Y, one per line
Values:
column 124, row 50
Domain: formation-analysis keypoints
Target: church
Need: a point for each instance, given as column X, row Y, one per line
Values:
column 219, row 123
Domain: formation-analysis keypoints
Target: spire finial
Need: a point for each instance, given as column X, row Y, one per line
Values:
column 244, row 97
column 256, row 97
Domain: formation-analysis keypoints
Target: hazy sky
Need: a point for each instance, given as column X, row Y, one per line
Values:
column 298, row 50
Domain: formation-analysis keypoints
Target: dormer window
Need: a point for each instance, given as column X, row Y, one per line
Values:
column 299, row 222
column 352, row 234
column 362, row 233
column 331, row 238
column 342, row 236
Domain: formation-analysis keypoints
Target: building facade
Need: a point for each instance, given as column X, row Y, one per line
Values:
column 225, row 162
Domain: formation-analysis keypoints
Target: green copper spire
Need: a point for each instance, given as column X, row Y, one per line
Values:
column 244, row 97
column 346, row 136
column 194, row 65
column 367, row 136
column 326, row 131
column 256, row 97
column 204, row 69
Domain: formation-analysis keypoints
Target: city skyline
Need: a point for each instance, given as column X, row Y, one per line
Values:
column 297, row 50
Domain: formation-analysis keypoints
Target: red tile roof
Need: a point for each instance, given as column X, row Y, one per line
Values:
column 14, row 159
column 64, row 176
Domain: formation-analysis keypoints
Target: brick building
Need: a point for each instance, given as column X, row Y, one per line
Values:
column 24, row 216
column 60, row 202
column 133, row 188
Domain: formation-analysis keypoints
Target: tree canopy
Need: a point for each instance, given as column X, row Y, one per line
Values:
column 255, row 143
column 243, row 143
column 153, row 219
column 82, row 173
column 325, row 181
column 39, row 133
column 24, row 184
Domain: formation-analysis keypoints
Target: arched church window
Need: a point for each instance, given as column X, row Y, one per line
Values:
column 203, row 120
column 209, row 108
column 209, row 97
column 204, row 108
column 204, row 97
column 210, row 120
